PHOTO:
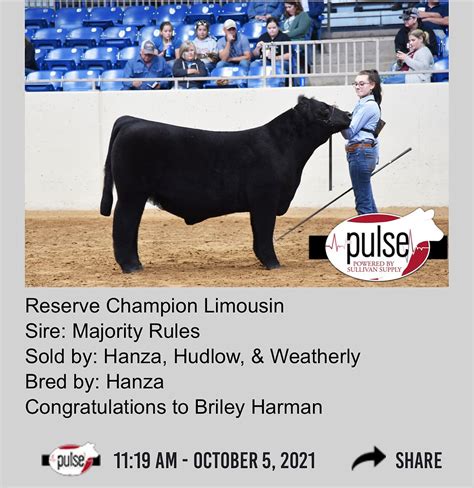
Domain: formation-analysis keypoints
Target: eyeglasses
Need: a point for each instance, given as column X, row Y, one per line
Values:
column 360, row 83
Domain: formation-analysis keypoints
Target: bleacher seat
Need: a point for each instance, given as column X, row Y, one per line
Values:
column 107, row 78
column 101, row 58
column 119, row 36
column 104, row 17
column 201, row 11
column 442, row 63
column 70, row 18
column 171, row 13
column 127, row 53
column 184, row 32
column 256, row 69
column 49, row 37
column 150, row 32
column 253, row 30
column 62, row 59
column 139, row 15
column 47, row 85
column 40, row 18
column 30, row 32
column 40, row 54
column 227, row 72
column 84, row 37
column 235, row 11
column 81, row 74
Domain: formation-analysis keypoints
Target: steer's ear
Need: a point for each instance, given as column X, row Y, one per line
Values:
column 302, row 99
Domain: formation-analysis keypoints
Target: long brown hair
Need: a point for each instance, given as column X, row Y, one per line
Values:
column 298, row 6
column 374, row 77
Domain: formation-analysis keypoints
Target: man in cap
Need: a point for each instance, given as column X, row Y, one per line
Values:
column 233, row 48
column 147, row 65
column 412, row 21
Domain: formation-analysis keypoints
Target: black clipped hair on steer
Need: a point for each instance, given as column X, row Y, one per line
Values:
column 256, row 170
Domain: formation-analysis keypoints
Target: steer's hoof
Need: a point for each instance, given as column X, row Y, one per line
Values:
column 131, row 268
column 272, row 266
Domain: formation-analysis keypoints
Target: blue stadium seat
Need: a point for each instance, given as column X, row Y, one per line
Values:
column 445, row 47
column 227, row 72
column 253, row 30
column 217, row 30
column 171, row 13
column 70, row 18
column 84, row 37
column 102, row 58
column 139, row 15
column 184, row 32
column 393, row 79
column 127, row 53
column 256, row 69
column 442, row 63
column 62, row 59
column 236, row 11
column 49, row 37
column 39, row 17
column 119, row 36
column 104, row 17
column 107, row 78
column 40, row 54
column 30, row 32
column 81, row 74
column 201, row 11
column 47, row 85
column 150, row 32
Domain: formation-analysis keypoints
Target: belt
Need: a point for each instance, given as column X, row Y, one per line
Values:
column 353, row 147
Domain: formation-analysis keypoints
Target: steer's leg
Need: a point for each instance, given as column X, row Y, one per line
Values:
column 127, row 216
column 263, row 224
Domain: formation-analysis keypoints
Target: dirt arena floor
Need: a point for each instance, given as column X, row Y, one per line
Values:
column 74, row 249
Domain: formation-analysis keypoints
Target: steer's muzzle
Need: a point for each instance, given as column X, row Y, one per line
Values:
column 340, row 119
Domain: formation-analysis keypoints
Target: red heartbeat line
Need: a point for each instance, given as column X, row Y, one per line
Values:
column 412, row 248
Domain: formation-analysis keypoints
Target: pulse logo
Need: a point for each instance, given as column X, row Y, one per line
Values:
column 382, row 247
column 73, row 460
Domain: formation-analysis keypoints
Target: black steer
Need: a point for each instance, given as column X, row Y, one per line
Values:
column 198, row 174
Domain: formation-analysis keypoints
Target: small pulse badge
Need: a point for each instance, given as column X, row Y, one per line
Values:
column 72, row 460
column 382, row 247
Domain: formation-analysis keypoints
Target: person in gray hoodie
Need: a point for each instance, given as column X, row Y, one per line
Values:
column 418, row 58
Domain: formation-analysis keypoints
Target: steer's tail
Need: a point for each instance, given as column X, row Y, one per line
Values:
column 107, row 192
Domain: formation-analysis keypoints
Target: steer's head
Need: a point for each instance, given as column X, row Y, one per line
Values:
column 321, row 115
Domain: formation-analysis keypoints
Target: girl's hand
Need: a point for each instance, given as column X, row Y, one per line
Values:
column 401, row 56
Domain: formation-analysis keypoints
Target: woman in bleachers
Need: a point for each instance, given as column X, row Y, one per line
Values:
column 167, row 45
column 189, row 65
column 273, row 34
column 206, row 45
column 418, row 58
column 296, row 22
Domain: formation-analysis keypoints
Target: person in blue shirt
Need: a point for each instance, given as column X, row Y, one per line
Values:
column 147, row 65
column 233, row 48
column 362, row 145
column 263, row 10
column 166, row 44
column 434, row 15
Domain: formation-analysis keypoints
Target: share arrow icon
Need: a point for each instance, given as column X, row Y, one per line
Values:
column 377, row 456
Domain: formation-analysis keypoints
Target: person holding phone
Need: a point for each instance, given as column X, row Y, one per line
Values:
column 362, row 149
column 418, row 58
column 147, row 65
column 189, row 65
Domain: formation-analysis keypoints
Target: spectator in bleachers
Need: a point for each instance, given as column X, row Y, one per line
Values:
column 362, row 145
column 264, row 10
column 296, row 22
column 412, row 22
column 30, row 61
column 273, row 34
column 167, row 45
column 206, row 45
column 434, row 15
column 147, row 65
column 419, row 58
column 188, row 65
column 233, row 48
column 315, row 10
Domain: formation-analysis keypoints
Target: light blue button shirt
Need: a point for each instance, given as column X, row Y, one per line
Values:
column 366, row 115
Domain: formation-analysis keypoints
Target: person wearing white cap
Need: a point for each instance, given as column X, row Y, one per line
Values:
column 147, row 65
column 233, row 48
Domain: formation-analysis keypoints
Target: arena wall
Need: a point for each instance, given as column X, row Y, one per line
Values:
column 67, row 138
